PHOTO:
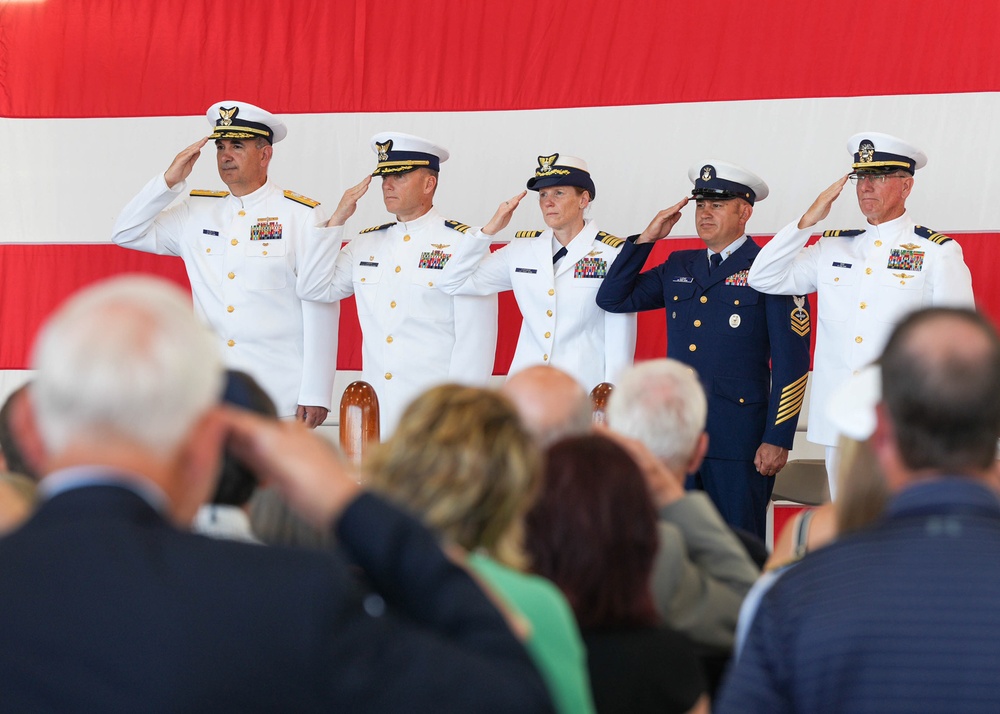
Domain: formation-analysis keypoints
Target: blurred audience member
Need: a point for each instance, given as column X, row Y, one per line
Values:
column 226, row 515
column 17, row 500
column 900, row 616
column 552, row 404
column 861, row 487
column 21, row 449
column 461, row 459
column 593, row 532
column 702, row 571
column 108, row 602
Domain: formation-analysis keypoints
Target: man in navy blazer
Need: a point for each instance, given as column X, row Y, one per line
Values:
column 751, row 350
column 902, row 617
column 108, row 603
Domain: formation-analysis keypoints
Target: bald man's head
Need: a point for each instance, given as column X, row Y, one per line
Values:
column 552, row 404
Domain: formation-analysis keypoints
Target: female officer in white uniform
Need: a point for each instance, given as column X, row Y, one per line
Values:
column 555, row 275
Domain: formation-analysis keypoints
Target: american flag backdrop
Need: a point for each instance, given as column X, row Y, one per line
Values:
column 97, row 96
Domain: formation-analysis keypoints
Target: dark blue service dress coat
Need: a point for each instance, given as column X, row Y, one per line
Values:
column 742, row 343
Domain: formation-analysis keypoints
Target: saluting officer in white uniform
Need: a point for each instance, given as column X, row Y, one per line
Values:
column 414, row 335
column 249, row 255
column 555, row 275
column 866, row 280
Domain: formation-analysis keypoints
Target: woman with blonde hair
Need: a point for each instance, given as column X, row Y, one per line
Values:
column 463, row 462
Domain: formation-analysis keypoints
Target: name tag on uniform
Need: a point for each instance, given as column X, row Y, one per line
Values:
column 842, row 265
column 532, row 271
column 368, row 264
column 209, row 233
column 683, row 279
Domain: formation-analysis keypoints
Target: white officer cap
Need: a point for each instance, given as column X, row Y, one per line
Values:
column 851, row 408
column 240, row 120
column 881, row 153
column 399, row 153
column 721, row 180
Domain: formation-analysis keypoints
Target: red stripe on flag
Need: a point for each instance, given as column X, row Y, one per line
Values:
column 66, row 268
column 106, row 58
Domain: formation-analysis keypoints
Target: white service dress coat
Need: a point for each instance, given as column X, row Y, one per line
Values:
column 414, row 335
column 250, row 263
column 866, row 281
column 562, row 324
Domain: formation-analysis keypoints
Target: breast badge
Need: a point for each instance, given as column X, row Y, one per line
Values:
column 734, row 321
column 738, row 279
column 800, row 316
column 590, row 268
column 903, row 259
column 434, row 259
column 266, row 229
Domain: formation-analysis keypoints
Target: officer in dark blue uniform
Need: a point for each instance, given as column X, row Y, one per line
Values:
column 751, row 350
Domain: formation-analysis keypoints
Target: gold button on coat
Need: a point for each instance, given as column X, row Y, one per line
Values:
column 549, row 313
column 697, row 323
column 406, row 238
column 742, row 400
column 231, row 343
column 703, row 299
column 692, row 348
column 243, row 213
column 398, row 268
column 736, row 302
column 868, row 271
column 545, row 358
column 232, row 275
column 864, row 305
column 859, row 339
column 551, row 291
column 388, row 375
column 230, row 308
column 878, row 244
column 548, row 334
column 208, row 250
column 392, row 304
column 389, row 339
column 234, row 242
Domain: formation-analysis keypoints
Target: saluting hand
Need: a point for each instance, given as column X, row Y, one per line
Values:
column 663, row 223
column 183, row 163
column 503, row 215
column 349, row 203
column 821, row 206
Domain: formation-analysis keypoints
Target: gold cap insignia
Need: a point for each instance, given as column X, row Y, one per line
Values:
column 383, row 150
column 866, row 152
column 226, row 116
column 545, row 163
column 706, row 173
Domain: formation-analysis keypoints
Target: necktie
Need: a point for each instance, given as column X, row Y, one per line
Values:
column 714, row 262
column 559, row 254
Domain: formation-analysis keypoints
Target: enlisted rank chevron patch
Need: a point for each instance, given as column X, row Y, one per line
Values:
column 791, row 400
column 527, row 234
column 199, row 193
column 932, row 236
column 299, row 198
column 842, row 234
column 800, row 316
column 457, row 226
column 608, row 239
column 377, row 228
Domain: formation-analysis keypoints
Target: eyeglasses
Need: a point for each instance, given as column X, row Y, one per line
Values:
column 874, row 178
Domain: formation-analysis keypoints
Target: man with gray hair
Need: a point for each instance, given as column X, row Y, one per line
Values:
column 702, row 571
column 131, row 612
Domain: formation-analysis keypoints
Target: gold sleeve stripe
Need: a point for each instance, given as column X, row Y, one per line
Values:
column 792, row 397
column 456, row 226
column 608, row 239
